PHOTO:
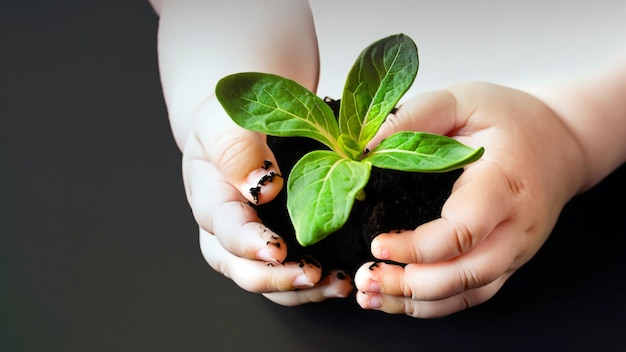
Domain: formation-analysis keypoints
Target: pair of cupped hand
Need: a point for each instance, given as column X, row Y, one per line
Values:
column 500, row 212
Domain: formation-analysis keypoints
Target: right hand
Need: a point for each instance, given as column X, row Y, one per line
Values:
column 221, row 163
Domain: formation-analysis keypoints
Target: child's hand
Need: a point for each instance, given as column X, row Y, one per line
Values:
column 221, row 163
column 199, row 43
column 501, row 209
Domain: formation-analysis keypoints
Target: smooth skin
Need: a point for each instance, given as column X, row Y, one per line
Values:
column 541, row 149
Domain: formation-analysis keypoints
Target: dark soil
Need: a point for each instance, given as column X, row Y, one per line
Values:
column 394, row 200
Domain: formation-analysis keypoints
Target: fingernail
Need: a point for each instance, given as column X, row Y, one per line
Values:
column 262, row 176
column 265, row 255
column 384, row 254
column 310, row 268
column 375, row 287
column 333, row 292
column 259, row 178
column 375, row 302
column 302, row 281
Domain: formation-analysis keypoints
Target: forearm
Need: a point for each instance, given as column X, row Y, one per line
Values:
column 200, row 42
column 594, row 110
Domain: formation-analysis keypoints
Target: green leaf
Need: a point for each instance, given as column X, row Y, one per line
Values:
column 422, row 152
column 321, row 190
column 382, row 73
column 349, row 146
column 277, row 106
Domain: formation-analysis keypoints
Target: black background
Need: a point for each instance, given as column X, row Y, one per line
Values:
column 99, row 251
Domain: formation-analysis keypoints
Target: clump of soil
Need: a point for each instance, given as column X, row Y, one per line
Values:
column 394, row 200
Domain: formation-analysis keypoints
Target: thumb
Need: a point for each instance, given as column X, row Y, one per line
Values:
column 247, row 163
column 433, row 112
column 242, row 157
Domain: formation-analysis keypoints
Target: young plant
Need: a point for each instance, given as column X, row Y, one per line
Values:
column 323, row 185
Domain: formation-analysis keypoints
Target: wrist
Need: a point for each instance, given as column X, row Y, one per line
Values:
column 593, row 112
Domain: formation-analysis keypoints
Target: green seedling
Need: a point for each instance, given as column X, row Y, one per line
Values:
column 323, row 185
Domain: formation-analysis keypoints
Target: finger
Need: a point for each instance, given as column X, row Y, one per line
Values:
column 220, row 209
column 258, row 276
column 434, row 112
column 461, row 226
column 246, row 161
column 240, row 231
column 430, row 309
column 241, row 156
column 479, row 267
column 336, row 285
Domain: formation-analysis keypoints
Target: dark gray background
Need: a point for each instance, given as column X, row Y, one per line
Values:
column 99, row 251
